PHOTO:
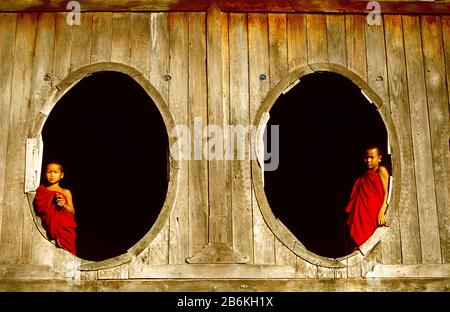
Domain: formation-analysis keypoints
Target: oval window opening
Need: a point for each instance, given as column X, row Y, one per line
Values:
column 112, row 142
column 325, row 123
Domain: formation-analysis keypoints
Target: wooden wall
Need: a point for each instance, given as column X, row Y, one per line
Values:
column 406, row 60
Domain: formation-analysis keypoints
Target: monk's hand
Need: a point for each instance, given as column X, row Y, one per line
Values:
column 60, row 200
column 381, row 219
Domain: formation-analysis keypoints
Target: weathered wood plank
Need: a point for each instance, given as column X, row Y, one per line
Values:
column 343, row 272
column 7, row 40
column 438, row 112
column 296, row 41
column 337, row 49
column 372, row 259
column 219, row 214
column 377, row 79
column 398, row 89
column 15, row 245
column 316, row 28
column 354, row 269
column 445, row 20
column 420, row 129
column 140, row 38
column 101, row 37
column 323, row 272
column 63, row 44
column 277, row 47
column 121, row 33
column 410, row 271
column 214, row 271
column 120, row 272
column 239, row 115
column 159, row 51
column 178, row 103
column 356, row 44
column 284, row 256
column 258, row 45
column 41, row 251
column 305, row 268
column 312, row 6
column 198, row 168
column 81, row 42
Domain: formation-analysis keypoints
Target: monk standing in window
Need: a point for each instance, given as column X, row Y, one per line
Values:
column 55, row 207
column 368, row 201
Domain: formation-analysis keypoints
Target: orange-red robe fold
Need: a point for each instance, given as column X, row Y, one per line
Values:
column 57, row 221
column 365, row 203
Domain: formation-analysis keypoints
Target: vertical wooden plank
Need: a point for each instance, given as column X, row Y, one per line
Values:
column 316, row 29
column 306, row 269
column 277, row 47
column 198, row 167
column 342, row 272
column 370, row 260
column 323, row 272
column 81, row 42
column 258, row 45
column 356, row 44
column 101, row 37
column 219, row 214
column 121, row 32
column 420, row 129
column 337, row 50
column 159, row 51
column 41, row 250
column 438, row 110
column 239, row 115
column 354, row 266
column 140, row 47
column 63, row 45
column 15, row 204
column 398, row 94
column 378, row 81
column 7, row 40
column 178, row 103
column 296, row 41
column 284, row 256
column 445, row 19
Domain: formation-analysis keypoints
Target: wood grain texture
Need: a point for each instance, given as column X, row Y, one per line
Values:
column 15, row 245
column 438, row 112
column 41, row 86
column 277, row 47
column 296, row 41
column 101, row 37
column 240, row 115
column 397, row 100
column 316, row 28
column 178, row 103
column 284, row 256
column 63, row 44
column 337, row 49
column 81, row 43
column 258, row 45
column 445, row 20
column 420, row 129
column 198, row 168
column 120, row 42
column 140, row 47
column 305, row 268
column 377, row 78
column 7, row 46
column 356, row 44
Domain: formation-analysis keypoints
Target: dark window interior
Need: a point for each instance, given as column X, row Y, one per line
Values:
column 112, row 142
column 325, row 123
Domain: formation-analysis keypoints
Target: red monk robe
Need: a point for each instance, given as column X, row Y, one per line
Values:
column 365, row 203
column 58, row 222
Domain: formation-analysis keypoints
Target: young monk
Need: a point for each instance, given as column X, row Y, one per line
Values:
column 55, row 207
column 368, row 201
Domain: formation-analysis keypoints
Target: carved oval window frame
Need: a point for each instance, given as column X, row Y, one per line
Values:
column 275, row 225
column 34, row 147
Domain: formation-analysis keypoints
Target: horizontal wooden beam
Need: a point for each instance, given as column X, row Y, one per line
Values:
column 305, row 6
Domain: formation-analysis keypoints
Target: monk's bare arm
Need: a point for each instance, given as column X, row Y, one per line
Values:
column 68, row 205
column 384, row 176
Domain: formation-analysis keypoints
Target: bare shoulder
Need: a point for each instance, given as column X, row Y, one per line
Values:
column 66, row 193
column 382, row 171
